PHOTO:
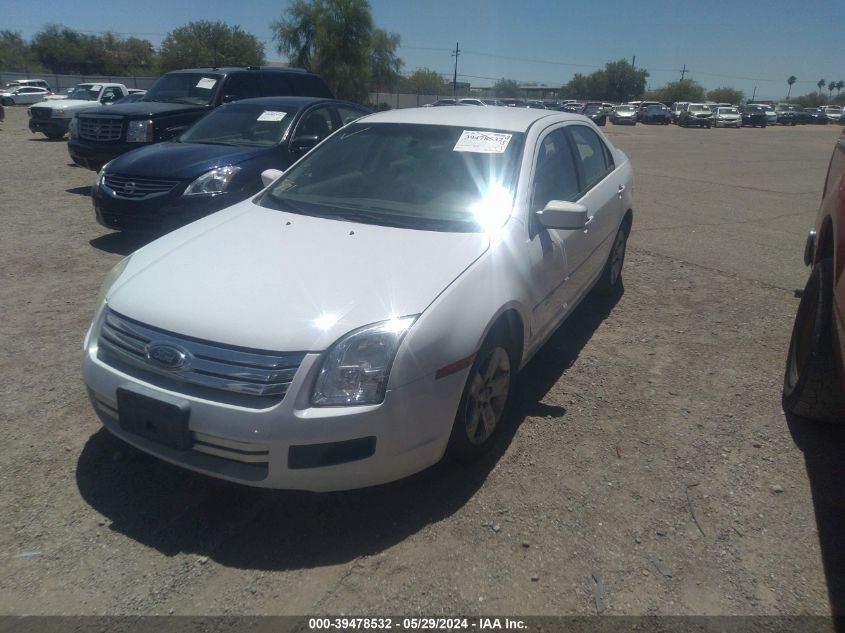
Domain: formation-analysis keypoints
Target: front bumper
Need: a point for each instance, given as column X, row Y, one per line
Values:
column 728, row 123
column 94, row 155
column 157, row 214
column 271, row 447
column 49, row 126
column 699, row 121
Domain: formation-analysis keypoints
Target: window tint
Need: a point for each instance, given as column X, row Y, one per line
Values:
column 317, row 123
column 347, row 115
column 555, row 177
column 592, row 154
column 242, row 86
column 309, row 86
column 110, row 94
column 275, row 85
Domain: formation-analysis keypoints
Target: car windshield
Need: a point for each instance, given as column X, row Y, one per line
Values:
column 625, row 108
column 655, row 108
column 190, row 88
column 241, row 125
column 429, row 177
column 699, row 108
column 592, row 108
column 85, row 92
column 728, row 111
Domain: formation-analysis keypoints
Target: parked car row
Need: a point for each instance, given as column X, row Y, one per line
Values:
column 255, row 343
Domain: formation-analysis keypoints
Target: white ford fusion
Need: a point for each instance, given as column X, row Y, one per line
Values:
column 367, row 312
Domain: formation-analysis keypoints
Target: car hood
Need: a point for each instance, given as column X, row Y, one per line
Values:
column 180, row 160
column 271, row 280
column 64, row 104
column 152, row 108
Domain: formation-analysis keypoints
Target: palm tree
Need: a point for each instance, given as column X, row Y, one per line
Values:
column 830, row 88
column 821, row 83
column 790, row 81
column 839, row 86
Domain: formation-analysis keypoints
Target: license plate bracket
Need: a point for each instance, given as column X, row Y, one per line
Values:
column 154, row 416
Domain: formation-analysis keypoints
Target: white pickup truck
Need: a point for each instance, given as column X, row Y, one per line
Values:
column 53, row 117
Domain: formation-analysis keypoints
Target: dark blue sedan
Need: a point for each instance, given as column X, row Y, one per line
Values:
column 215, row 163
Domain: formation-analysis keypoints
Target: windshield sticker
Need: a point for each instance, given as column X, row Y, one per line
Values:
column 482, row 142
column 206, row 82
column 271, row 115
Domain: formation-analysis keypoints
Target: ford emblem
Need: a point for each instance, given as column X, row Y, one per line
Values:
column 166, row 355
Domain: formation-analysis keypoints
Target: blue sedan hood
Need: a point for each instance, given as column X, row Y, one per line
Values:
column 182, row 160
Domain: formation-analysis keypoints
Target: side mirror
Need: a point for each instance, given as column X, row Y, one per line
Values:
column 558, row 214
column 302, row 144
column 229, row 98
column 269, row 175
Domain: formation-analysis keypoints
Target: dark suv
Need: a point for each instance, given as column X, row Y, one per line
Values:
column 174, row 102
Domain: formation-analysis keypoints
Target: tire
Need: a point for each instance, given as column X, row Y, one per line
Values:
column 7, row 102
column 611, row 275
column 811, row 385
column 485, row 399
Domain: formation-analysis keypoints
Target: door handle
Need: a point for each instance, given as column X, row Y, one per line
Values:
column 621, row 189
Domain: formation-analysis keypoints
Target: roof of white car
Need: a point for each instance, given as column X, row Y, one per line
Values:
column 491, row 118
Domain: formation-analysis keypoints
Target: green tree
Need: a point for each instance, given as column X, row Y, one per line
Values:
column 385, row 66
column 617, row 81
column 686, row 90
column 206, row 43
column 506, row 88
column 131, row 56
column 337, row 40
column 15, row 54
column 425, row 81
column 839, row 86
column 726, row 95
column 809, row 100
column 821, row 84
column 790, row 81
column 63, row 50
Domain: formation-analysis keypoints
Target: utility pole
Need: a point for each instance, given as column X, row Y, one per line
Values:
column 634, row 62
column 455, row 77
column 754, row 95
column 683, row 72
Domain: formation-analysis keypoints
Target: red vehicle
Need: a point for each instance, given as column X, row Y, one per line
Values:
column 814, row 382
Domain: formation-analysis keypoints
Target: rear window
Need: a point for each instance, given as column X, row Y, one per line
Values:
column 294, row 84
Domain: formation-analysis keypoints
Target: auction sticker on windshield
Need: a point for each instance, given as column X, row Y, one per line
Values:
column 271, row 115
column 206, row 82
column 482, row 142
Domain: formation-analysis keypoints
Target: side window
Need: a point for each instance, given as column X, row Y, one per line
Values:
column 347, row 115
column 555, row 175
column 592, row 154
column 317, row 123
column 275, row 84
column 111, row 94
column 241, row 86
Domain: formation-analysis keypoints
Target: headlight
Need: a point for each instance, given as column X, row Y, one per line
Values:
column 102, row 173
column 111, row 277
column 212, row 182
column 58, row 114
column 73, row 128
column 139, row 132
column 356, row 368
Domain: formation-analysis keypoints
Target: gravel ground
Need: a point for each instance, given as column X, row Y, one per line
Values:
column 646, row 445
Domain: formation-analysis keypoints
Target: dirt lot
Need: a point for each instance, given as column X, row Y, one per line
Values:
column 681, row 374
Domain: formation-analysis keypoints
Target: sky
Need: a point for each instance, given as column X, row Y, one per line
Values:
column 753, row 45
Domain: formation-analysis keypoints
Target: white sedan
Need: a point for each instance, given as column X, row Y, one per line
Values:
column 367, row 312
column 22, row 95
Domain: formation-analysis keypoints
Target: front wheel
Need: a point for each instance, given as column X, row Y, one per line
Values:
column 611, row 274
column 7, row 101
column 484, row 400
column 811, row 385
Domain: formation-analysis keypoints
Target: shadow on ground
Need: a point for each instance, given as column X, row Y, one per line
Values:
column 121, row 243
column 175, row 510
column 823, row 446
column 80, row 191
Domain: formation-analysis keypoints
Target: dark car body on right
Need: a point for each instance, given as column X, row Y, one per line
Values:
column 753, row 116
column 814, row 380
column 788, row 114
column 816, row 116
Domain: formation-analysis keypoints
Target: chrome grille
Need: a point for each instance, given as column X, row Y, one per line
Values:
column 100, row 128
column 137, row 188
column 40, row 113
column 210, row 365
